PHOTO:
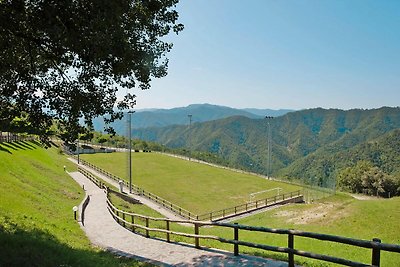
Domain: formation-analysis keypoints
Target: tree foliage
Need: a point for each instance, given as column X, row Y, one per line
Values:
column 66, row 60
column 367, row 179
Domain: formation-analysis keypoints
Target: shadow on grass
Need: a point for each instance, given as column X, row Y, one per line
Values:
column 17, row 145
column 24, row 145
column 3, row 148
column 19, row 247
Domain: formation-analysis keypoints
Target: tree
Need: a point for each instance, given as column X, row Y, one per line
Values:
column 66, row 60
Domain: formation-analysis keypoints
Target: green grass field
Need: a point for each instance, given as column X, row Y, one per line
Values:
column 36, row 219
column 196, row 187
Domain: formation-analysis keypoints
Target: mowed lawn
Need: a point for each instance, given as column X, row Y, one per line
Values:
column 196, row 187
column 340, row 215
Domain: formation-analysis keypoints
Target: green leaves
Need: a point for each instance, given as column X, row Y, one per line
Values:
column 67, row 59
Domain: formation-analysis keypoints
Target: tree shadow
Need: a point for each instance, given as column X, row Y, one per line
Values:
column 14, row 145
column 36, row 143
column 19, row 247
column 8, row 146
column 3, row 149
column 230, row 260
column 24, row 144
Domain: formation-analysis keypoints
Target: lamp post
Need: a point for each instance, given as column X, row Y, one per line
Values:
column 75, row 209
column 268, row 118
column 190, row 126
column 130, row 148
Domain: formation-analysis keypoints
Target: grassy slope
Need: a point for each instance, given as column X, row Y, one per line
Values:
column 36, row 219
column 193, row 186
column 338, row 215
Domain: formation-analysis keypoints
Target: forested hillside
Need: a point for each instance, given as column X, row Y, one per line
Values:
column 311, row 145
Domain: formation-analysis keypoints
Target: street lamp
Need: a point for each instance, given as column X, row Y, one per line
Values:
column 268, row 118
column 190, row 126
column 130, row 148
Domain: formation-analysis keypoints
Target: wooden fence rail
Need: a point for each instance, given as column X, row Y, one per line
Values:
column 249, row 206
column 375, row 245
column 14, row 137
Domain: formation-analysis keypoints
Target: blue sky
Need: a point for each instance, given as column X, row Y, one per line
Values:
column 283, row 54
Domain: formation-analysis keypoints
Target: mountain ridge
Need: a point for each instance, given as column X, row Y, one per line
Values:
column 179, row 116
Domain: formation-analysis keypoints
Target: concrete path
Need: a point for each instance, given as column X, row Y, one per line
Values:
column 104, row 232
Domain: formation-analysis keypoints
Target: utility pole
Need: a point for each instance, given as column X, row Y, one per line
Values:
column 130, row 148
column 269, row 118
column 190, row 126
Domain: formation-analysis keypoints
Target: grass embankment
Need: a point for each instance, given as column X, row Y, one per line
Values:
column 196, row 187
column 36, row 219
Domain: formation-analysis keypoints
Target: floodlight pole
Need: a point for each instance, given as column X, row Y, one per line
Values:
column 190, row 126
column 130, row 149
column 77, row 147
column 268, row 118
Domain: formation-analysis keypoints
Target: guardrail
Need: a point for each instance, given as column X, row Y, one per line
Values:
column 84, row 205
column 129, row 221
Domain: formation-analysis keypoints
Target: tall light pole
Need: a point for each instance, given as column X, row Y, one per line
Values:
column 269, row 118
column 130, row 112
column 190, row 126
column 77, row 147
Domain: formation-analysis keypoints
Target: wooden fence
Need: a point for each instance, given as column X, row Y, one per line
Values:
column 129, row 221
column 217, row 215
column 12, row 137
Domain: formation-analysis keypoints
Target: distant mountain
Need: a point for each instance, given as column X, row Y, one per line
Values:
column 306, row 144
column 268, row 112
column 179, row 116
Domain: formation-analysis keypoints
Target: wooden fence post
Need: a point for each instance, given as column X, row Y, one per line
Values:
column 376, row 253
column 291, row 246
column 167, row 228
column 147, row 225
column 236, row 238
column 123, row 218
column 196, row 232
column 133, row 222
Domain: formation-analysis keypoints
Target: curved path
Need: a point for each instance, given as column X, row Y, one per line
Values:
column 104, row 232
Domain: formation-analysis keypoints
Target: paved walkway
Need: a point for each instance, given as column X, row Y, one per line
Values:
column 104, row 232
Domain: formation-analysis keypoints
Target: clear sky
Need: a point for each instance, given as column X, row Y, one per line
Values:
column 283, row 54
